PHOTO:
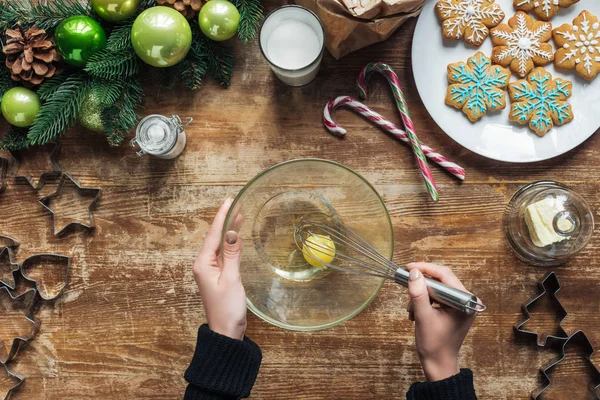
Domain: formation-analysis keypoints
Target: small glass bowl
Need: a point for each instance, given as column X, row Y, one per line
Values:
column 576, row 210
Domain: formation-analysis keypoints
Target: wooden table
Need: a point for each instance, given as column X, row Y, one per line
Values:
column 126, row 326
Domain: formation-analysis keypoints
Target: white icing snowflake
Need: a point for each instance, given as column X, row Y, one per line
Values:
column 545, row 4
column 544, row 9
column 469, row 18
column 580, row 44
column 520, row 41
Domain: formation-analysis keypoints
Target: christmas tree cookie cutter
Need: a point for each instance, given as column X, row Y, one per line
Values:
column 582, row 340
column 20, row 379
column 94, row 192
column 3, row 170
column 549, row 285
column 8, row 352
column 43, row 290
column 56, row 171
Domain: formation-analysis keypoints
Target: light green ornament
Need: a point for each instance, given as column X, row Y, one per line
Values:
column 115, row 10
column 90, row 114
column 219, row 20
column 161, row 36
column 20, row 106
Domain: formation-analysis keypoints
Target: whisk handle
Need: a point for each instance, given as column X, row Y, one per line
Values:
column 445, row 294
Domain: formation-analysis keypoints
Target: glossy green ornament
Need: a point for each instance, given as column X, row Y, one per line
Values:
column 161, row 36
column 219, row 20
column 115, row 10
column 20, row 106
column 78, row 38
column 90, row 114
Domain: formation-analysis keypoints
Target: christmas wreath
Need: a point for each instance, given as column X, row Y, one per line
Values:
column 70, row 62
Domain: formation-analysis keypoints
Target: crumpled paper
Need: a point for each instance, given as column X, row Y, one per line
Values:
column 353, row 24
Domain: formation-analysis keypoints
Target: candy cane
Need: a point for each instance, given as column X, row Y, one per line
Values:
column 363, row 80
column 355, row 105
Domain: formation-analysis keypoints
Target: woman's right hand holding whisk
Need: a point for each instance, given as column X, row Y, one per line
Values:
column 439, row 331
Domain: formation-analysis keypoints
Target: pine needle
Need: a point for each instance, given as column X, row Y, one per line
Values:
column 50, row 86
column 14, row 139
column 120, row 37
column 60, row 110
column 251, row 14
column 45, row 16
column 109, row 65
column 218, row 57
column 119, row 119
column 106, row 92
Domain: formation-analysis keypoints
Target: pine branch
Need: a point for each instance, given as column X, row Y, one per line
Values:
column 219, row 57
column 119, row 119
column 60, row 110
column 6, row 81
column 29, row 12
column 106, row 92
column 50, row 86
column 251, row 14
column 120, row 37
column 168, row 76
column 109, row 65
column 14, row 139
column 193, row 72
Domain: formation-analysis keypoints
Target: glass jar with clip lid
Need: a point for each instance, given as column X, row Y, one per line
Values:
column 161, row 136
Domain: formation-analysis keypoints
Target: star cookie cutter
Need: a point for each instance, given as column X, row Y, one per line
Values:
column 582, row 340
column 6, row 258
column 3, row 171
column 43, row 291
column 13, row 349
column 20, row 379
column 46, row 203
column 551, row 286
column 56, row 171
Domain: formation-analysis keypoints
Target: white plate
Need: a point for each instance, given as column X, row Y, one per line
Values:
column 494, row 136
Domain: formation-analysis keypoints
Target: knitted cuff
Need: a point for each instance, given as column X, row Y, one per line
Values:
column 457, row 387
column 222, row 365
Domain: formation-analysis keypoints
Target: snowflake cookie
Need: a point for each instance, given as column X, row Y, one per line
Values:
column 543, row 9
column 522, row 44
column 541, row 101
column 477, row 86
column 470, row 19
column 579, row 45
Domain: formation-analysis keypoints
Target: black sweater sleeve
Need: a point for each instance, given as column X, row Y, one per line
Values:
column 222, row 368
column 457, row 387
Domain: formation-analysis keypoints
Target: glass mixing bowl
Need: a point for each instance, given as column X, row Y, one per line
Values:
column 281, row 287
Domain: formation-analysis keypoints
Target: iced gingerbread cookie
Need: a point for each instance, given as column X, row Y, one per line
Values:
column 477, row 86
column 543, row 9
column 579, row 45
column 541, row 101
column 468, row 19
column 522, row 44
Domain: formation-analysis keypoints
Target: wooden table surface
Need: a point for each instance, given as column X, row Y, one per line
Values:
column 126, row 326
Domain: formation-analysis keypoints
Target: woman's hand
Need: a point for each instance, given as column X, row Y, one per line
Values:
column 218, row 278
column 439, row 331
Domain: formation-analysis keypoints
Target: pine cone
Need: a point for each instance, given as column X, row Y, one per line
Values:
column 189, row 8
column 30, row 55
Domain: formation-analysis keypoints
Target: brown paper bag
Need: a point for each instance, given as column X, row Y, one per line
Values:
column 353, row 24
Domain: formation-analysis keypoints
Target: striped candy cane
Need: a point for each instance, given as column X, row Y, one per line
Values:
column 360, row 108
column 361, row 85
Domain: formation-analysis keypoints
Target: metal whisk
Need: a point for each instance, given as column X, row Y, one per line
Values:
column 355, row 255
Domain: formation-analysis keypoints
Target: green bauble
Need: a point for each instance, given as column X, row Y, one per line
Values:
column 115, row 10
column 90, row 114
column 78, row 38
column 161, row 36
column 219, row 20
column 20, row 106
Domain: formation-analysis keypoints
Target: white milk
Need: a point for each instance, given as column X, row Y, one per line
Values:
column 292, row 40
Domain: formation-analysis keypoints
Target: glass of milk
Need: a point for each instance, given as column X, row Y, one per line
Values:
column 292, row 39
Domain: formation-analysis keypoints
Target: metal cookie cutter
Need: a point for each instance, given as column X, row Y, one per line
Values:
column 46, row 203
column 8, row 352
column 44, row 291
column 551, row 286
column 582, row 340
column 56, row 171
column 20, row 379
column 3, row 170
column 6, row 261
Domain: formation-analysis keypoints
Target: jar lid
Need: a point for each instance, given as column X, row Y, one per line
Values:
column 546, row 223
column 156, row 134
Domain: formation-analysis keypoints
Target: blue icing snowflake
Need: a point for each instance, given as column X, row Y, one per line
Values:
column 477, row 86
column 541, row 101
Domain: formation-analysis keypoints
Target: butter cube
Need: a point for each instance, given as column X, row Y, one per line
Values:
column 539, row 218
